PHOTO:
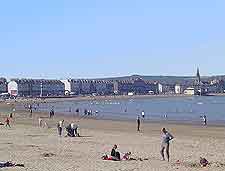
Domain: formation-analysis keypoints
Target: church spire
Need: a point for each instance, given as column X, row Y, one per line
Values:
column 198, row 76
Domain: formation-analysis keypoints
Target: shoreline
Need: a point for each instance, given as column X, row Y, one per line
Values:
column 92, row 98
column 131, row 121
column 88, row 98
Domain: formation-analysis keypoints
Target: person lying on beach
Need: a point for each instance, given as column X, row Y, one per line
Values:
column 126, row 157
column 9, row 164
column 203, row 162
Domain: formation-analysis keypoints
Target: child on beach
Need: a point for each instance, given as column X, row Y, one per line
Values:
column 7, row 123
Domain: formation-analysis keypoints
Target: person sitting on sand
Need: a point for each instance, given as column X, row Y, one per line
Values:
column 166, row 138
column 75, row 129
column 115, row 154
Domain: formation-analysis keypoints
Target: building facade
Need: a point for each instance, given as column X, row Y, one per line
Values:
column 136, row 86
column 35, row 87
column 72, row 86
column 190, row 91
column 3, row 85
column 103, row 87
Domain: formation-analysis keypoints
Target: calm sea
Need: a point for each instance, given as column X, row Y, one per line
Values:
column 179, row 109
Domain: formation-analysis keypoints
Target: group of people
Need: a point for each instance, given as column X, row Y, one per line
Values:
column 115, row 155
column 166, row 137
column 42, row 123
column 204, row 120
column 72, row 129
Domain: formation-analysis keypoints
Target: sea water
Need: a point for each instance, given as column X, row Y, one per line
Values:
column 179, row 109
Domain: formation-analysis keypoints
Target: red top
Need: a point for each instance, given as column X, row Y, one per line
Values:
column 7, row 120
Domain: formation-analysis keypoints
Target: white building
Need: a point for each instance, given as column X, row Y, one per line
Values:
column 177, row 89
column 189, row 91
column 35, row 87
column 72, row 86
column 160, row 88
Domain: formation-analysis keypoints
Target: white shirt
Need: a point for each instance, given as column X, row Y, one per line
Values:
column 60, row 124
column 74, row 126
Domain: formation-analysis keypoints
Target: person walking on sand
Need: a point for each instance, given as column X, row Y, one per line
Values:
column 143, row 114
column 7, row 123
column 138, row 123
column 204, row 120
column 166, row 138
column 60, row 127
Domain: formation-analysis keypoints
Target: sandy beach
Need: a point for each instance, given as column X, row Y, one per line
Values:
column 41, row 149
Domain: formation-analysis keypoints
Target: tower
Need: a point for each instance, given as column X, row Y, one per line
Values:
column 198, row 77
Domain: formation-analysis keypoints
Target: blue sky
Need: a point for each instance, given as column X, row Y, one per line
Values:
column 99, row 38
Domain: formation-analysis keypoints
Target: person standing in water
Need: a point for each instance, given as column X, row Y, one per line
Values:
column 138, row 123
column 166, row 138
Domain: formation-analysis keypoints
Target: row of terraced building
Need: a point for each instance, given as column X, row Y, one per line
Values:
column 48, row 87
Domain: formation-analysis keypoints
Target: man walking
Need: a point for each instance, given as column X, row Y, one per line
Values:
column 60, row 127
column 138, row 124
column 143, row 114
column 166, row 138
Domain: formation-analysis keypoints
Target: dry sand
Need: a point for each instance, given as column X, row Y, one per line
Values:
column 28, row 144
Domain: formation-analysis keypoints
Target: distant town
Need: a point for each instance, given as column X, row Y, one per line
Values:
column 131, row 85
